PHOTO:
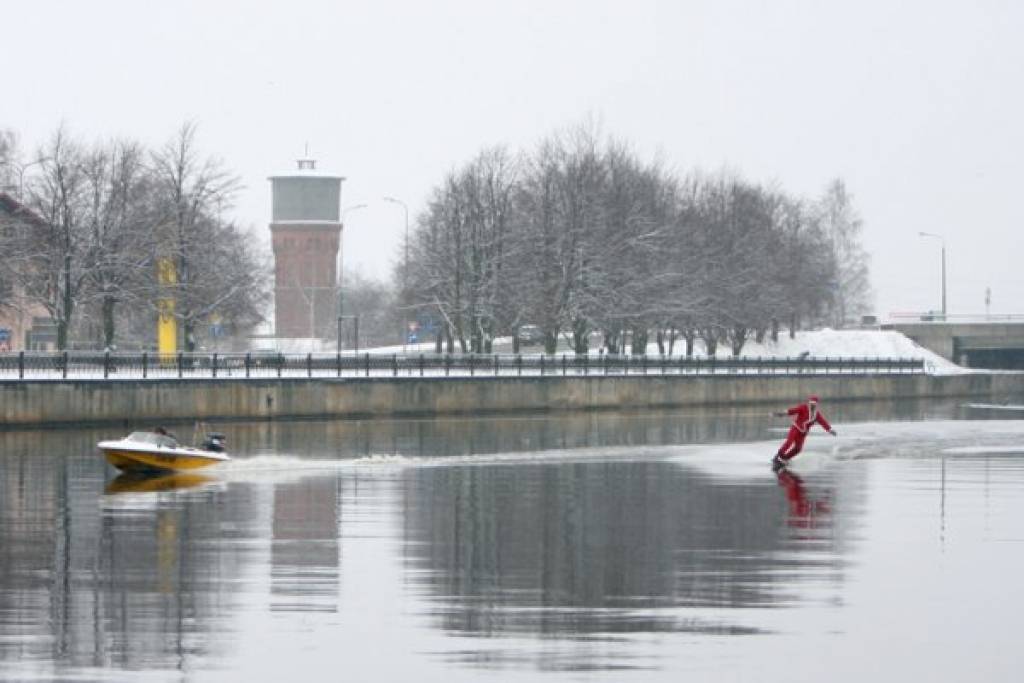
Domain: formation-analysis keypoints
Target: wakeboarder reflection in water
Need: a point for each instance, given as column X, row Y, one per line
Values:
column 804, row 512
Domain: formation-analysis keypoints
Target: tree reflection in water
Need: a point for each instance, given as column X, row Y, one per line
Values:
column 585, row 549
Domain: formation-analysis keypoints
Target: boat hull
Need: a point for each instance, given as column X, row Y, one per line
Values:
column 128, row 460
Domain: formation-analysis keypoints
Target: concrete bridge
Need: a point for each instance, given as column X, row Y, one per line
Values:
column 996, row 344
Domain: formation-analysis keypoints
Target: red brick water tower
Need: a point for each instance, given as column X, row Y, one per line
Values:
column 306, row 232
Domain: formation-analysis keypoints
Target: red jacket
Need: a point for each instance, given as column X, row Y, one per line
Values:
column 803, row 420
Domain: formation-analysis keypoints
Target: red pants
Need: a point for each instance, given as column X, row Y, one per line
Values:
column 793, row 444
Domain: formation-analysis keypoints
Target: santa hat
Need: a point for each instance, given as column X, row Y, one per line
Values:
column 813, row 398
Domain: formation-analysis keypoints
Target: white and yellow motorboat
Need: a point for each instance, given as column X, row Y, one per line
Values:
column 161, row 452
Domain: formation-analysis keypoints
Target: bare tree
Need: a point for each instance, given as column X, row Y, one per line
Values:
column 191, row 193
column 53, row 253
column 437, row 263
column 119, row 241
column 587, row 238
column 561, row 211
column 843, row 226
column 634, row 278
column 491, row 182
column 375, row 303
column 96, row 219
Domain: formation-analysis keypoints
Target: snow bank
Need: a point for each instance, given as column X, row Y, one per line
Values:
column 836, row 344
column 852, row 344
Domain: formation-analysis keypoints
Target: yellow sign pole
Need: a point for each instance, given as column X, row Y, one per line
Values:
column 166, row 326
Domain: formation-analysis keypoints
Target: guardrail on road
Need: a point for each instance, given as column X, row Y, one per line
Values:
column 138, row 366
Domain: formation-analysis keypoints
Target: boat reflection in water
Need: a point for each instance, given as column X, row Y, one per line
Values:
column 140, row 482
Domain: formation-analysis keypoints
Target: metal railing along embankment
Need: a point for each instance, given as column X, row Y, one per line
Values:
column 141, row 366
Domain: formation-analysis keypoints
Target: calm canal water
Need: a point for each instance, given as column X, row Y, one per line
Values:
column 614, row 547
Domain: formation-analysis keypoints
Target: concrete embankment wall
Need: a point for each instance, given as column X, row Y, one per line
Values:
column 34, row 403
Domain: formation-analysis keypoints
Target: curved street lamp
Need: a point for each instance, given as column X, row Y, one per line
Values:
column 21, row 173
column 405, row 208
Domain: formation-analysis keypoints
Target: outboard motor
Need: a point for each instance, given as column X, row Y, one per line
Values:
column 215, row 441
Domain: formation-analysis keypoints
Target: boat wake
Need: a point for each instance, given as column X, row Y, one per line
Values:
column 1016, row 449
column 739, row 460
column 274, row 463
column 994, row 406
column 863, row 441
column 267, row 468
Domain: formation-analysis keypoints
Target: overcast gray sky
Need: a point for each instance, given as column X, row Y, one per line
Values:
column 917, row 105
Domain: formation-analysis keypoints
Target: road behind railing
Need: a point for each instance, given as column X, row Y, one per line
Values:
column 140, row 366
column 914, row 317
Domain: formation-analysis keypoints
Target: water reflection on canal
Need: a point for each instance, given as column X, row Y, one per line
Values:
column 617, row 546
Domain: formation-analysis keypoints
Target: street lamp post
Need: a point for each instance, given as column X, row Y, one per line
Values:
column 943, row 241
column 341, row 272
column 405, row 267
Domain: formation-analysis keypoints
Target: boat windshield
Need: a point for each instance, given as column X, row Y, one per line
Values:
column 154, row 439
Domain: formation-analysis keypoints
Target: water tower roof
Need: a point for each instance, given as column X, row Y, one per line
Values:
column 306, row 168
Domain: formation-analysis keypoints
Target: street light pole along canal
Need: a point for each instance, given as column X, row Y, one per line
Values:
column 341, row 273
column 405, row 266
column 943, row 241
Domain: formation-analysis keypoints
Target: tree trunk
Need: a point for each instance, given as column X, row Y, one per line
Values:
column 108, row 321
column 775, row 329
column 639, row 341
column 68, row 304
column 710, row 342
column 739, row 338
column 611, row 341
column 62, row 335
column 579, row 337
column 550, row 342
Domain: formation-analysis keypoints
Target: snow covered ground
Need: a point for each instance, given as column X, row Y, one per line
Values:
column 851, row 344
column 816, row 343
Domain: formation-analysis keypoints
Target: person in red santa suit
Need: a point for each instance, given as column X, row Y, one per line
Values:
column 805, row 416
